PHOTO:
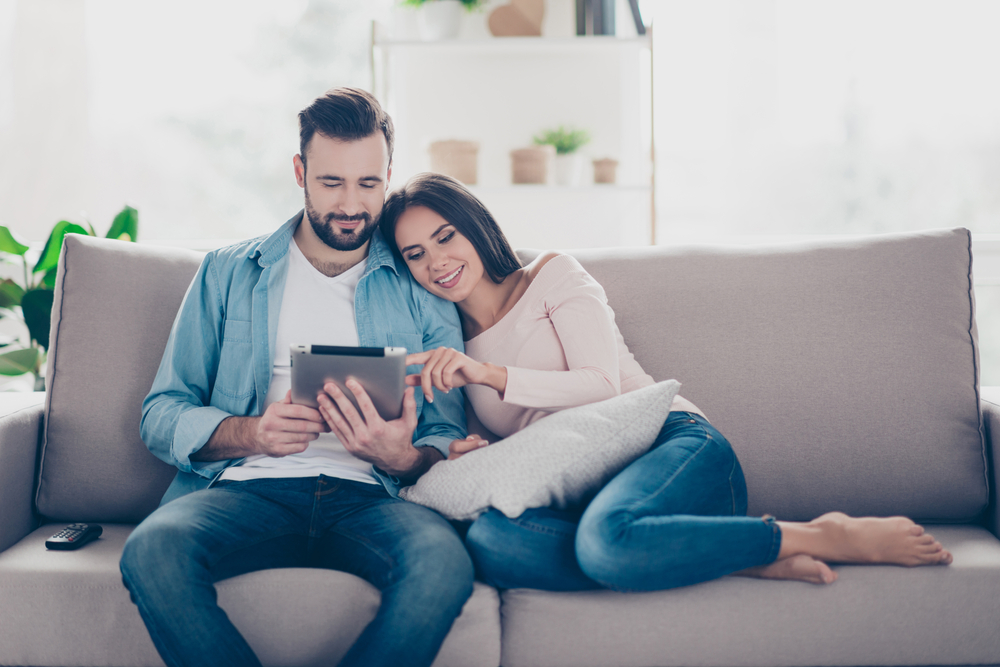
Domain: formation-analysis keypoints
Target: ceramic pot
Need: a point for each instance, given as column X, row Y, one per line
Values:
column 439, row 19
column 456, row 159
column 569, row 169
column 531, row 165
column 605, row 170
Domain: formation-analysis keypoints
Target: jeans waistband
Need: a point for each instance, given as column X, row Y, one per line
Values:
column 683, row 414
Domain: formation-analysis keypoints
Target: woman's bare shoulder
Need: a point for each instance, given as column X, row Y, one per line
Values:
column 532, row 269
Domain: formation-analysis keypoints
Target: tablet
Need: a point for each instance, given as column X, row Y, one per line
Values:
column 380, row 370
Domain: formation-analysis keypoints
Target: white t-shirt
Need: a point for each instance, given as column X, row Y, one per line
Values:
column 315, row 310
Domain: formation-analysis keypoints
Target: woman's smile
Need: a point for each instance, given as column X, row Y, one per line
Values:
column 437, row 255
column 451, row 279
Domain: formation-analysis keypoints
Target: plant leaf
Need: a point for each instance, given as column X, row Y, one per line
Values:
column 53, row 246
column 10, row 294
column 126, row 225
column 564, row 140
column 36, row 305
column 10, row 243
column 49, row 279
column 18, row 362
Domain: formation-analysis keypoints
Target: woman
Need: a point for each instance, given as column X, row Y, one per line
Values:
column 541, row 338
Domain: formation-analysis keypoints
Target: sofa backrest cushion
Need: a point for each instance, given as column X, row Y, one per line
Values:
column 114, row 305
column 844, row 373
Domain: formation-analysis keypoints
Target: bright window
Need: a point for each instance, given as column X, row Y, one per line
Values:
column 185, row 109
column 784, row 118
column 774, row 118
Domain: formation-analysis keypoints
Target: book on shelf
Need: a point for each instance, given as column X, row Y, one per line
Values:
column 640, row 27
column 596, row 17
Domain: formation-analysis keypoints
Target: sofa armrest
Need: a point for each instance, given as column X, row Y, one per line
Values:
column 20, row 427
column 990, row 399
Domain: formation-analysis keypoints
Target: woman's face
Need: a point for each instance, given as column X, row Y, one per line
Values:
column 443, row 261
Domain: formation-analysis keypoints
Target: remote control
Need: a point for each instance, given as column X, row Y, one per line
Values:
column 73, row 536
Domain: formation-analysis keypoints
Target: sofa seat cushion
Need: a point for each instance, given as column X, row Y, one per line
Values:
column 872, row 615
column 71, row 608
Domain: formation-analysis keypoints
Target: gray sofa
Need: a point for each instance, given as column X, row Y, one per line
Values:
column 845, row 374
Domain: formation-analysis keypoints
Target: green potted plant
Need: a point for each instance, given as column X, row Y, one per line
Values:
column 568, row 163
column 31, row 300
column 440, row 19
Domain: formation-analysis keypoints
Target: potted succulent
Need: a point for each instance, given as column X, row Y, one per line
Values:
column 440, row 19
column 568, row 163
column 31, row 302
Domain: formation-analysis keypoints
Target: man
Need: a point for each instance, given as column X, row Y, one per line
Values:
column 262, row 482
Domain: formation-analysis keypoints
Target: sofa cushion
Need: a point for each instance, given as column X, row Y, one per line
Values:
column 114, row 306
column 844, row 373
column 76, row 601
column 555, row 462
column 872, row 615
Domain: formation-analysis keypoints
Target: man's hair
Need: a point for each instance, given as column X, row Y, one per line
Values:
column 460, row 208
column 346, row 114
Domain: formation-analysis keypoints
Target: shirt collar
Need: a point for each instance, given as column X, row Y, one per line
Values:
column 272, row 248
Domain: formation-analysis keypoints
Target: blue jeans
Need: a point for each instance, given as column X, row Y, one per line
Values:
column 411, row 554
column 675, row 516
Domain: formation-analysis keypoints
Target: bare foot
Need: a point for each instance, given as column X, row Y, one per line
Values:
column 836, row 537
column 795, row 568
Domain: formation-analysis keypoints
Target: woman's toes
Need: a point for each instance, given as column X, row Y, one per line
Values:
column 794, row 568
column 936, row 555
column 827, row 575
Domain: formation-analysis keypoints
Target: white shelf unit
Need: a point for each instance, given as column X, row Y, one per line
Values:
column 501, row 92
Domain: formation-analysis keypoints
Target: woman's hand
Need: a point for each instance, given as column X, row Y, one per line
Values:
column 459, row 447
column 446, row 368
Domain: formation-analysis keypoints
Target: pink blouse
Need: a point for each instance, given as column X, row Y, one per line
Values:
column 561, row 347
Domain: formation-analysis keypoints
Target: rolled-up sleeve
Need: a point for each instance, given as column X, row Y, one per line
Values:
column 177, row 419
column 443, row 420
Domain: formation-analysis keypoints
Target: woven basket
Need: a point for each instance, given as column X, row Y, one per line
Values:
column 531, row 165
column 457, row 159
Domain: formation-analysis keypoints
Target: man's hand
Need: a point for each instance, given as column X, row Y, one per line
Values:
column 388, row 445
column 459, row 447
column 283, row 429
column 446, row 368
column 286, row 428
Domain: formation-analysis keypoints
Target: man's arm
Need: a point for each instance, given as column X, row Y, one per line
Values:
column 283, row 429
column 442, row 421
column 385, row 444
column 177, row 418
column 417, row 461
column 180, row 425
column 230, row 440
column 407, row 447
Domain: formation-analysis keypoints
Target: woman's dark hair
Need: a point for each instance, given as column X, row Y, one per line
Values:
column 347, row 114
column 460, row 208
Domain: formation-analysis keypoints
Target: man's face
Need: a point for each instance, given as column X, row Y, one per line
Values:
column 345, row 184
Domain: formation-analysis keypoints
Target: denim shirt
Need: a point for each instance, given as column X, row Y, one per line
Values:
column 220, row 353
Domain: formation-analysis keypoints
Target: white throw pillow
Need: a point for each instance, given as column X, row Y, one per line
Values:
column 554, row 462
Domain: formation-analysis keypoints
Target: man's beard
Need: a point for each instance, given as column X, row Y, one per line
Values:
column 340, row 239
